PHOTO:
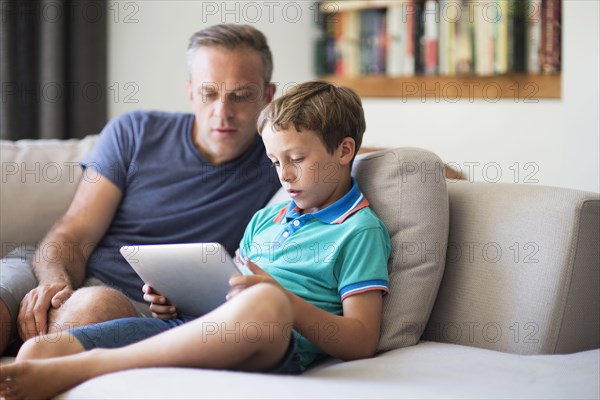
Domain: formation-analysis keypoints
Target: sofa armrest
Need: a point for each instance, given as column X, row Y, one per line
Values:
column 522, row 269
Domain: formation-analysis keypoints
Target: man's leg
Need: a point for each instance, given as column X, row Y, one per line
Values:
column 16, row 280
column 5, row 327
column 249, row 332
column 87, row 305
column 90, row 305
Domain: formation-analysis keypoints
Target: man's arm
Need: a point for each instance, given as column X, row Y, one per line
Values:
column 61, row 257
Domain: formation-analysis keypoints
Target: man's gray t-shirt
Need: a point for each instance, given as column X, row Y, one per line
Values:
column 171, row 194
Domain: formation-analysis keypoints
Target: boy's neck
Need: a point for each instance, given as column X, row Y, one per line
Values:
column 342, row 189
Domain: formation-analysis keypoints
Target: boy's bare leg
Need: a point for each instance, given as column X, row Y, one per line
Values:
column 5, row 327
column 249, row 332
column 48, row 346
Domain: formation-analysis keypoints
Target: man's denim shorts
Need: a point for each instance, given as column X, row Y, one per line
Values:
column 125, row 331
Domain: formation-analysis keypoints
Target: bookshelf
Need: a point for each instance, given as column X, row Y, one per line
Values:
column 517, row 77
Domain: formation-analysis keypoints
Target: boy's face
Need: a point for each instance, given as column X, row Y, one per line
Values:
column 312, row 176
column 227, row 93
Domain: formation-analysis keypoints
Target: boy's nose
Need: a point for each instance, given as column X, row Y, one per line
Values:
column 289, row 173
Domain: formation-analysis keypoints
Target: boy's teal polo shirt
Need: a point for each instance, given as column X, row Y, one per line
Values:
column 324, row 257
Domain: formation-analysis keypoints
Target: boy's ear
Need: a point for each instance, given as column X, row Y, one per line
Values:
column 348, row 149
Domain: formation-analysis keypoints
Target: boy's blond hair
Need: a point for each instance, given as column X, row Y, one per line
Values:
column 332, row 112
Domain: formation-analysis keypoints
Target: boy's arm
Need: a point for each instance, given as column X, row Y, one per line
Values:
column 353, row 336
column 349, row 337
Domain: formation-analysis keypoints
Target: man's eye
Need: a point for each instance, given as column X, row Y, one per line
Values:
column 297, row 160
column 275, row 164
column 240, row 96
column 209, row 95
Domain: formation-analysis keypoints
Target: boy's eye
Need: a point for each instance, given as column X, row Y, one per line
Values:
column 275, row 164
column 297, row 160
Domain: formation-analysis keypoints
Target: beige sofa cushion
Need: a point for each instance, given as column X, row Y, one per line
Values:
column 39, row 179
column 522, row 269
column 426, row 371
column 407, row 190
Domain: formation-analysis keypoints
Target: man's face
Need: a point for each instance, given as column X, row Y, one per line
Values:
column 227, row 93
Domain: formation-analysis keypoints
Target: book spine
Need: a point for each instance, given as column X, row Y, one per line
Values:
column 484, row 39
column 444, row 39
column 534, row 35
column 395, row 41
column 419, row 37
column 502, row 37
column 519, row 27
column 319, row 47
column 348, row 44
column 339, row 44
column 464, row 54
column 380, row 45
column 353, row 33
column 330, row 53
column 409, row 16
column 551, row 23
column 451, row 37
column 364, row 42
column 431, row 36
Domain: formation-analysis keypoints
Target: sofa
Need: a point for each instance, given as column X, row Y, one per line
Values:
column 494, row 288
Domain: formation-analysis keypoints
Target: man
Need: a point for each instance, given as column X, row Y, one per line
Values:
column 165, row 178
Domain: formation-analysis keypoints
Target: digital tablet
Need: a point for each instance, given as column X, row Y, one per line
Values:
column 193, row 276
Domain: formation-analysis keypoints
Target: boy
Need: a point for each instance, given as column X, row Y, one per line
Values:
column 323, row 270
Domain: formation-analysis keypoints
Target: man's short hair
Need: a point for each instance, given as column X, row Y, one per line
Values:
column 232, row 37
column 332, row 112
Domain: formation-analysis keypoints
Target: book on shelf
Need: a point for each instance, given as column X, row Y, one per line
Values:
column 519, row 38
column 550, row 58
column 372, row 41
column 431, row 23
column 448, row 15
column 396, row 40
column 439, row 37
column 534, row 35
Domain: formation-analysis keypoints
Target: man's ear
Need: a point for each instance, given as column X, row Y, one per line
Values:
column 189, row 90
column 270, row 89
column 348, row 150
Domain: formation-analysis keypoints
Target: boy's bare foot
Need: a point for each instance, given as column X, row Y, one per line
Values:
column 39, row 379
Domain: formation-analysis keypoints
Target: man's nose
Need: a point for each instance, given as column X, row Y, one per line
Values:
column 224, row 107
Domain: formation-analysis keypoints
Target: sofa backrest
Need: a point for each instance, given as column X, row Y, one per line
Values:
column 39, row 178
column 522, row 270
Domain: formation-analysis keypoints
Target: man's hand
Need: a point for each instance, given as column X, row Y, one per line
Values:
column 33, row 313
column 159, row 305
column 241, row 282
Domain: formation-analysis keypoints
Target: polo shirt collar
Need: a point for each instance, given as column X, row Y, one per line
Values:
column 335, row 213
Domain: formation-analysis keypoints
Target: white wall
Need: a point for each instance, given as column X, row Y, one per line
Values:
column 551, row 142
